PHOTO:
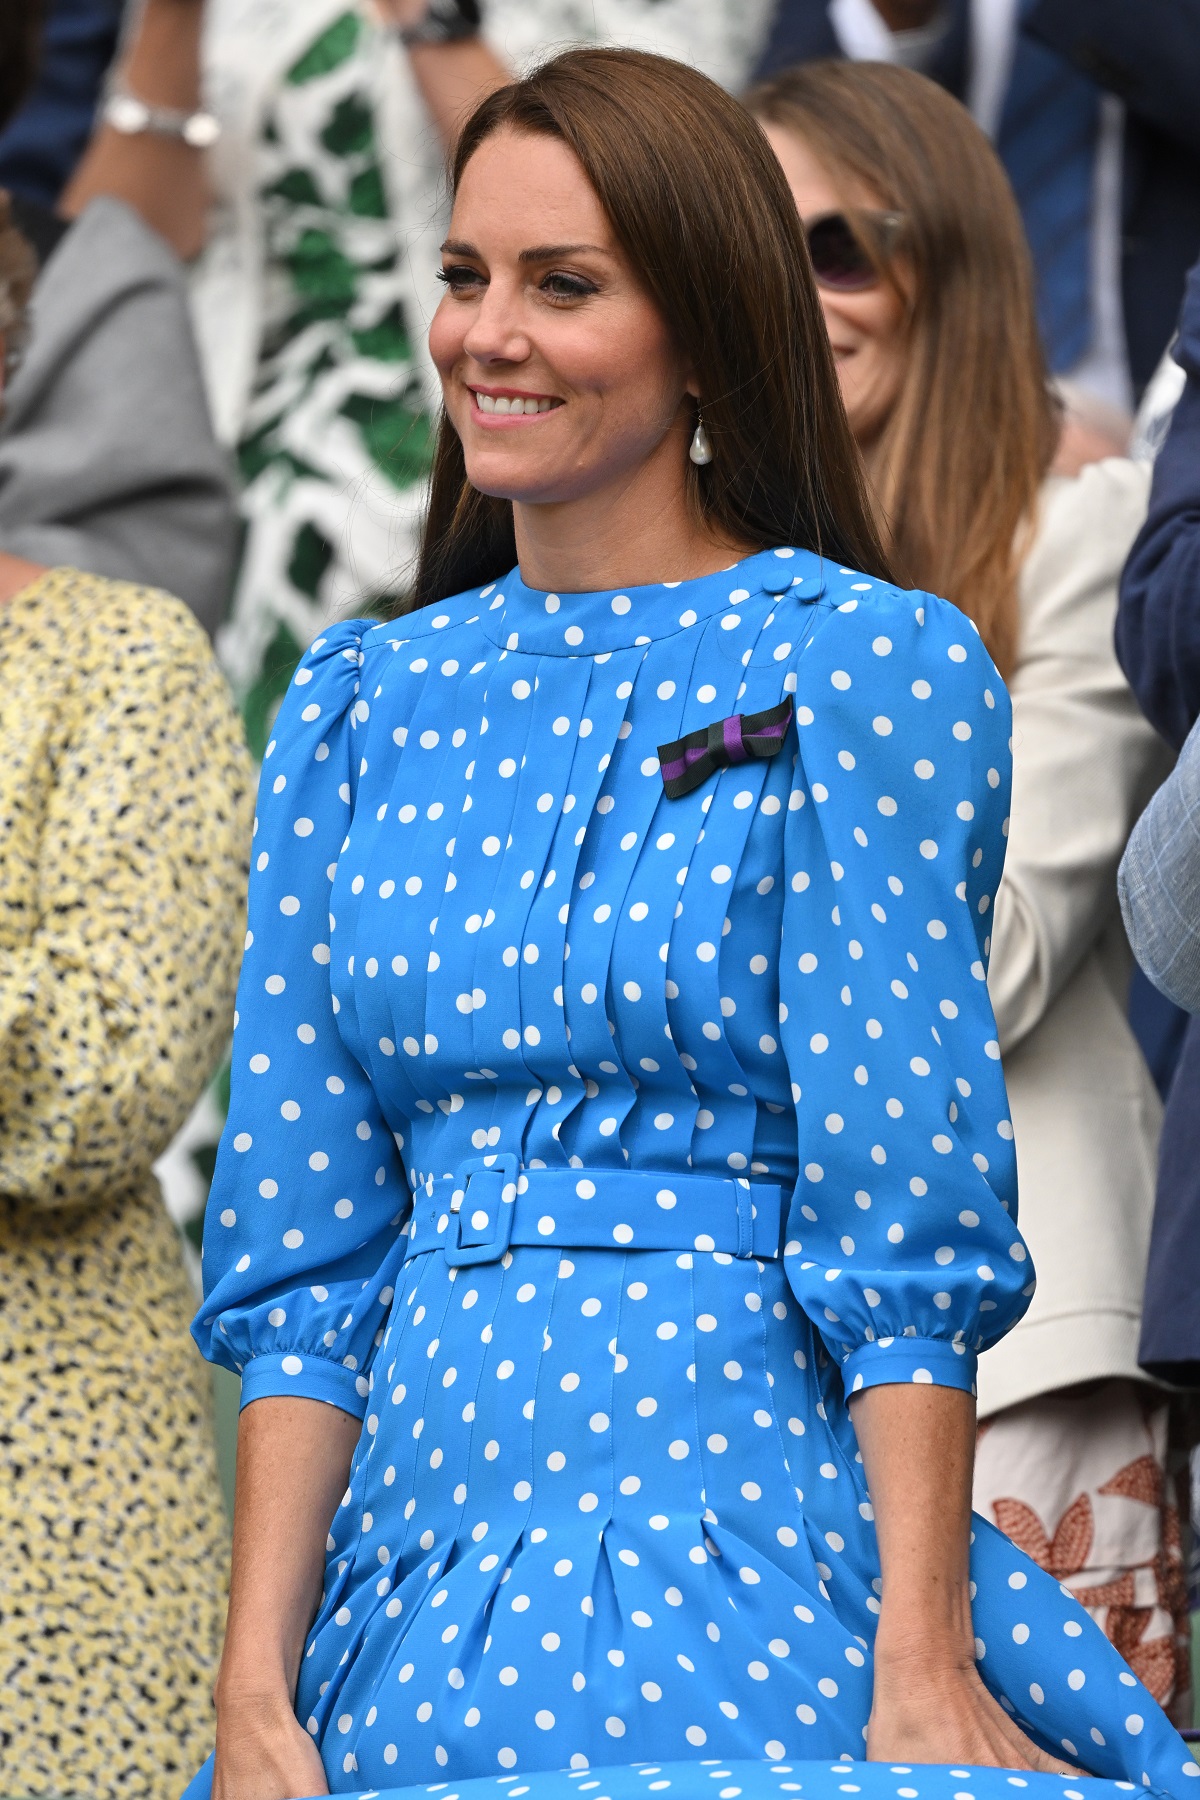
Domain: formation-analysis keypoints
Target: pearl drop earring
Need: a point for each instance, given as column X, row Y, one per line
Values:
column 700, row 450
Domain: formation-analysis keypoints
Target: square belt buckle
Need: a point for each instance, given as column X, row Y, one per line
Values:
column 481, row 1223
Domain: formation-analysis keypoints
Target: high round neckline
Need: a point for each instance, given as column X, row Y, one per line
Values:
column 518, row 617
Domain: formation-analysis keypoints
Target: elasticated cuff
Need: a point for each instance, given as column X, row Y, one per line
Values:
column 293, row 1375
column 904, row 1359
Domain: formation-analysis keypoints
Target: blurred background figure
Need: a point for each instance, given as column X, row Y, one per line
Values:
column 1160, row 883
column 107, row 458
column 1158, row 641
column 125, row 795
column 1092, row 111
column 925, row 281
column 68, row 45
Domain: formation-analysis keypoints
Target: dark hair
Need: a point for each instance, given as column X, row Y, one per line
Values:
column 700, row 207
column 958, row 467
column 18, row 270
column 20, row 43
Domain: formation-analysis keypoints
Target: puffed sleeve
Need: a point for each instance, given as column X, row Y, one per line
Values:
column 301, row 1235
column 902, row 1244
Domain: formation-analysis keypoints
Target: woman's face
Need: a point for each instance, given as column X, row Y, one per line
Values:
column 866, row 327
column 558, row 372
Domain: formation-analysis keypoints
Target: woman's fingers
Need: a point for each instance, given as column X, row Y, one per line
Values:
column 281, row 1765
column 956, row 1720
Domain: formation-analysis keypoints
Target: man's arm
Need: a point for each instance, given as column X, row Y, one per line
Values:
column 1159, row 883
column 1158, row 622
column 1147, row 54
column 453, row 77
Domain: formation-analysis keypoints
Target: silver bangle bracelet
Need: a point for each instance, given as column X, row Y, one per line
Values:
column 131, row 117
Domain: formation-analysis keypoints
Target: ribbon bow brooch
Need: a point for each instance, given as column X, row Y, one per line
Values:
column 690, row 760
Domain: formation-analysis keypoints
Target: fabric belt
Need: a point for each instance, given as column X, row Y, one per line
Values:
column 490, row 1203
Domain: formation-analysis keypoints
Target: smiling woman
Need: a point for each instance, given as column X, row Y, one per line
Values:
column 636, row 294
column 618, row 1182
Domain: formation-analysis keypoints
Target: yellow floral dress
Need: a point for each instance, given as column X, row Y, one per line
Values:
column 125, row 805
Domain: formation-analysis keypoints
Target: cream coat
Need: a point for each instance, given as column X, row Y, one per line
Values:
column 1084, row 1110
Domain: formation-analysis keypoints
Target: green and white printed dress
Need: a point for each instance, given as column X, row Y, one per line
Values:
column 305, row 309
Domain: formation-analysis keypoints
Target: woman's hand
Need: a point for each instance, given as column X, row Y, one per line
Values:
column 929, row 1703
column 263, row 1752
column 926, row 1714
column 293, row 1462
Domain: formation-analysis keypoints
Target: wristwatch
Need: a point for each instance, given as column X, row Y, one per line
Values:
column 445, row 22
column 131, row 116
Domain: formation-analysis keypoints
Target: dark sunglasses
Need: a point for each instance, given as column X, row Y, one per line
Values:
column 840, row 259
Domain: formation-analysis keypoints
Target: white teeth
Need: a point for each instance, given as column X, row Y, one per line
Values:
column 500, row 403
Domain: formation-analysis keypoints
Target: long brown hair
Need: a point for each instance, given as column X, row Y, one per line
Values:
column 974, row 428
column 700, row 207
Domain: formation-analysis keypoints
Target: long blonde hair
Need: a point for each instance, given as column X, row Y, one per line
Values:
column 974, row 427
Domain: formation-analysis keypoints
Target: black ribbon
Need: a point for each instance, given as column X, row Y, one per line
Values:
column 690, row 760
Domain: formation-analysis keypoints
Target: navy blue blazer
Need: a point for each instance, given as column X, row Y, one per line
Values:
column 1148, row 55
column 1158, row 643
column 801, row 32
column 41, row 146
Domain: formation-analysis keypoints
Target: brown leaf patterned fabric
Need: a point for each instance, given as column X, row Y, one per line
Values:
column 1078, row 1480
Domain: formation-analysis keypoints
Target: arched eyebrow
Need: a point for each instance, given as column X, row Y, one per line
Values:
column 549, row 252
column 538, row 254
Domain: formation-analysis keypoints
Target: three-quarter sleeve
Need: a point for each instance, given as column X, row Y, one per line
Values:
column 119, row 967
column 301, row 1238
column 902, row 1244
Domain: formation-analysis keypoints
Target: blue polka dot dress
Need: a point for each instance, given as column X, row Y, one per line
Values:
column 592, row 1144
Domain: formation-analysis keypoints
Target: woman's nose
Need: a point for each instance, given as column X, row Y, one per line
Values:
column 497, row 331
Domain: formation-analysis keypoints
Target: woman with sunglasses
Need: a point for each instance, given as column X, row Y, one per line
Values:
column 924, row 280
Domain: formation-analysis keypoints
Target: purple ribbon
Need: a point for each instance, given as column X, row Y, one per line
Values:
column 690, row 760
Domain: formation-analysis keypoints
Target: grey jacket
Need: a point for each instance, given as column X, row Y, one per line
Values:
column 1159, row 882
column 107, row 457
